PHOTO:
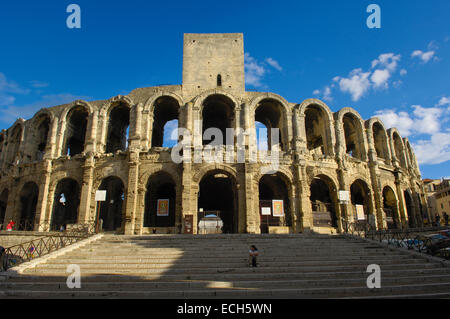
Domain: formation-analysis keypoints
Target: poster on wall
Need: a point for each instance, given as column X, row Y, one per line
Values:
column 278, row 208
column 360, row 212
column 265, row 211
column 163, row 207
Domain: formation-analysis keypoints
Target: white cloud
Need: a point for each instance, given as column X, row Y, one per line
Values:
column 444, row 101
column 327, row 94
column 273, row 63
column 356, row 84
column 255, row 70
column 316, row 92
column 380, row 78
column 403, row 72
column 387, row 60
column 433, row 144
column 424, row 56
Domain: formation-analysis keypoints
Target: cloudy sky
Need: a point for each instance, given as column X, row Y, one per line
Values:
column 298, row 49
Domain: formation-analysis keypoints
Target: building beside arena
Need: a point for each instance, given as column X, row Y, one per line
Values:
column 330, row 166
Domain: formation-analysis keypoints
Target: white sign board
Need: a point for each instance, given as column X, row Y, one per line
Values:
column 265, row 211
column 100, row 196
column 344, row 196
column 360, row 212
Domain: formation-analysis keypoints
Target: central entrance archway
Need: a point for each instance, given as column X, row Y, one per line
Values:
column 323, row 202
column 218, row 196
column 111, row 212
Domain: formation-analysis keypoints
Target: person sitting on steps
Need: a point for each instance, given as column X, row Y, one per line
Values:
column 253, row 254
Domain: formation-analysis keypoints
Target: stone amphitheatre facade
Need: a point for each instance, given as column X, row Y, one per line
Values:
column 53, row 164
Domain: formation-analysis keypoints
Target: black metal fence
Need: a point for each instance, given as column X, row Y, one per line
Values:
column 425, row 240
column 24, row 252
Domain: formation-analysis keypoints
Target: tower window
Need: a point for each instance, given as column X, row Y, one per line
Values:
column 219, row 80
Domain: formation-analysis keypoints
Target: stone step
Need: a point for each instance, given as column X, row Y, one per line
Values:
column 315, row 292
column 199, row 284
column 232, row 276
column 169, row 270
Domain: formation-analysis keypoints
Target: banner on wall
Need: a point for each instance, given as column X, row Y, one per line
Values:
column 278, row 208
column 360, row 212
column 163, row 207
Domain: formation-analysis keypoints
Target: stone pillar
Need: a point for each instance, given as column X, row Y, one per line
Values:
column 52, row 140
column 42, row 203
column 304, row 201
column 91, row 133
column 186, row 194
column 87, row 208
column 401, row 203
column 253, row 223
column 132, row 194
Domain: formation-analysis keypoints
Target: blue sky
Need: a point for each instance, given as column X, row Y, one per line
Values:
column 298, row 49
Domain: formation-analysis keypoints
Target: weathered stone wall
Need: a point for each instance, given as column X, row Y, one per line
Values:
column 338, row 153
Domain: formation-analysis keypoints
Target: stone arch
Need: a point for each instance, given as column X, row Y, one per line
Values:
column 149, row 105
column 39, row 136
column 66, row 202
column 214, row 167
column 3, row 206
column 218, row 195
column 160, row 186
column 200, row 99
column 26, row 204
column 164, row 109
column 353, row 139
column 112, row 211
column 361, row 194
column 278, row 186
column 397, row 147
column 410, row 153
column 118, row 115
column 14, row 140
column 377, row 133
column 76, row 128
column 410, row 208
column 88, row 107
column 324, row 201
column 317, row 127
column 390, row 207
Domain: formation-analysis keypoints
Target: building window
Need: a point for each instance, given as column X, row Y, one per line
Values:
column 219, row 80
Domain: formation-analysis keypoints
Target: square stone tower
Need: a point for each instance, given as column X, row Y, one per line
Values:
column 213, row 61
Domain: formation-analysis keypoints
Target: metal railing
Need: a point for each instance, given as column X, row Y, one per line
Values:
column 410, row 238
column 30, row 225
column 24, row 252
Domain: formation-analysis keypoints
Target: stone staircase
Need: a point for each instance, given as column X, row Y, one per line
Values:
column 216, row 266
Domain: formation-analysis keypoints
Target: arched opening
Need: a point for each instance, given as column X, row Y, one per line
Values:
column 166, row 110
column 28, row 199
column 380, row 140
column 324, row 202
column 160, row 201
column 269, row 112
column 66, row 203
column 111, row 211
column 218, row 197
column 218, row 113
column 412, row 159
column 274, row 203
column 219, row 80
column 13, row 145
column 353, row 135
column 399, row 150
column 262, row 143
column 360, row 198
column 3, row 205
column 390, row 208
column 409, row 209
column 118, row 129
column 170, row 134
column 76, row 131
column 316, row 130
column 39, row 138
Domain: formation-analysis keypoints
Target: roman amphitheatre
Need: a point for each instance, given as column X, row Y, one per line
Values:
column 53, row 164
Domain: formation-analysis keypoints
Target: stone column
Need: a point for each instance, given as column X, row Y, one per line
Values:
column 253, row 223
column 304, row 201
column 186, row 193
column 91, row 133
column 42, row 205
column 87, row 208
column 132, row 194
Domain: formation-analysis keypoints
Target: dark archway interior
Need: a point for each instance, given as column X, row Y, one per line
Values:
column 3, row 205
column 41, row 137
column 390, row 207
column 360, row 195
column 166, row 109
column 28, row 202
column 269, row 113
column 273, row 187
column 2, row 141
column 111, row 212
column 66, row 203
column 217, row 195
column 218, row 112
column 76, row 131
column 323, row 204
column 160, row 186
column 398, row 145
column 13, row 145
column 379, row 137
column 119, row 122
column 352, row 136
column 409, row 209
column 315, row 130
